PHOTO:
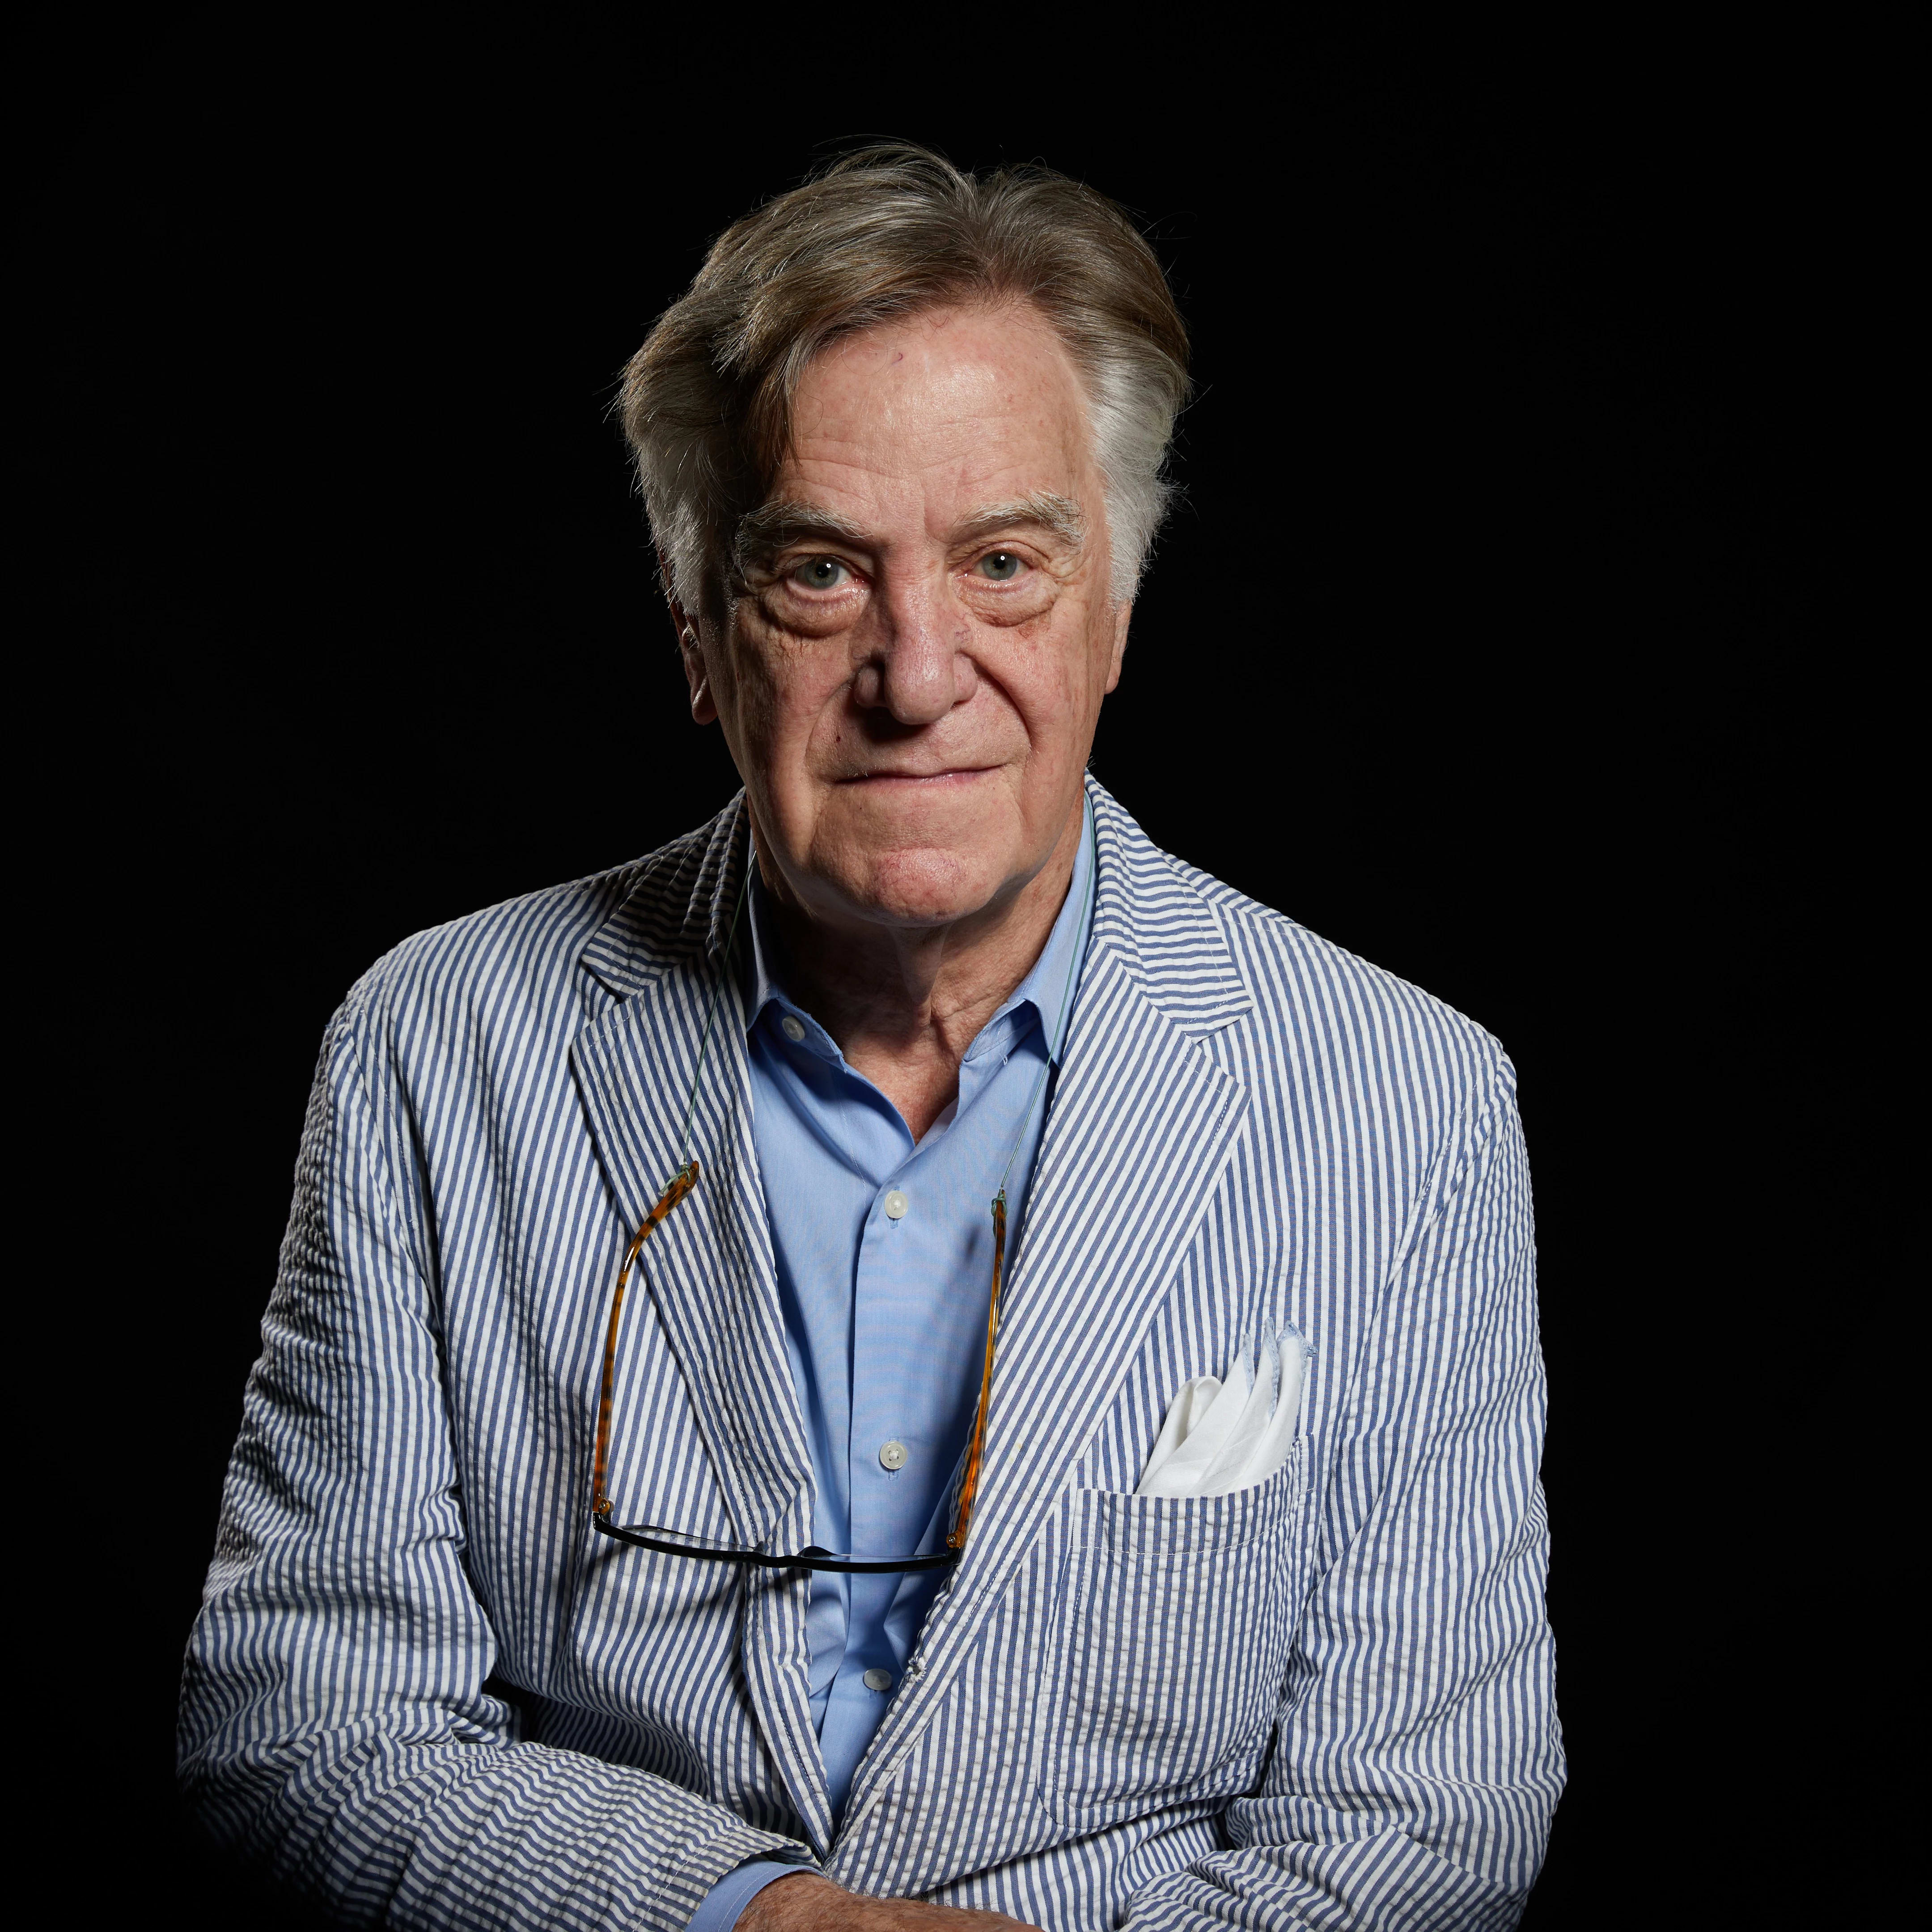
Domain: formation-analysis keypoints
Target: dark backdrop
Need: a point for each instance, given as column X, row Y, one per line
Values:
column 1479, row 644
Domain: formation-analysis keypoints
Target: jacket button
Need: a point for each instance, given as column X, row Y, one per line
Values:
column 878, row 1680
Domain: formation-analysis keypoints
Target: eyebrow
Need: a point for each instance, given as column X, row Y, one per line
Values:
column 772, row 527
column 1043, row 510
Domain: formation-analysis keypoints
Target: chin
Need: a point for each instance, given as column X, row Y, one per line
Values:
column 923, row 858
column 926, row 885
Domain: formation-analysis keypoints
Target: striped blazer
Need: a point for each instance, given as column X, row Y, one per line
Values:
column 423, row 1691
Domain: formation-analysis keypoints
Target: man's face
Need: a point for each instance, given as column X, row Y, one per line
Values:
column 910, row 683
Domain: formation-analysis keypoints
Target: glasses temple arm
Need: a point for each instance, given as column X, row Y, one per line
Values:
column 682, row 1182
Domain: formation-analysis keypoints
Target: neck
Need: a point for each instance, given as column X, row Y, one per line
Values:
column 905, row 1003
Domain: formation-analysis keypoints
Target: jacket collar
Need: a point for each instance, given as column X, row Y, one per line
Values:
column 675, row 914
column 1151, row 914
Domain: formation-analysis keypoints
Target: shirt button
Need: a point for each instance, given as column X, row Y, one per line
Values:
column 794, row 1028
column 878, row 1680
column 896, row 1204
column 892, row 1455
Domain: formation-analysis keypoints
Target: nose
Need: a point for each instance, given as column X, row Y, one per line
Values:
column 917, row 670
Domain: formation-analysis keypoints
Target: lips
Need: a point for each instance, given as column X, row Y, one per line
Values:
column 953, row 772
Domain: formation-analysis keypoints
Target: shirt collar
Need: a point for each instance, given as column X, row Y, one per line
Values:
column 1048, row 988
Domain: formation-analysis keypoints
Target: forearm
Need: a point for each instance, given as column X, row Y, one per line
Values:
column 471, row 1835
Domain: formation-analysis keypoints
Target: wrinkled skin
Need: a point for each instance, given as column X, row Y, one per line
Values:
column 910, row 677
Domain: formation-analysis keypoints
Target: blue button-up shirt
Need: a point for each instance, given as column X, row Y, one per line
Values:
column 884, row 1248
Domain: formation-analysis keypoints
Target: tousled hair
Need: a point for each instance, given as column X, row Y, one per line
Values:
column 890, row 231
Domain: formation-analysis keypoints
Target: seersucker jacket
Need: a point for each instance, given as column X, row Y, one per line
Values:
column 428, row 1695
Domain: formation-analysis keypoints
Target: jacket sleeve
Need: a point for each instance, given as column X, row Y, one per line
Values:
column 335, row 1723
column 1417, row 1759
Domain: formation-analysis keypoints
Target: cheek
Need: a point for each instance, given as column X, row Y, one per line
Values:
column 1058, row 674
column 792, row 702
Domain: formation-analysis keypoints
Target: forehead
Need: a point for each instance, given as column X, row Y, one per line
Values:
column 951, row 406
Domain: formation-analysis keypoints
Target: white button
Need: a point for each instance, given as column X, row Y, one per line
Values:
column 892, row 1455
column 896, row 1204
column 878, row 1680
column 794, row 1028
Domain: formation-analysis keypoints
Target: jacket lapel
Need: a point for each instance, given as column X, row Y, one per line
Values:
column 1142, row 1127
column 710, row 1268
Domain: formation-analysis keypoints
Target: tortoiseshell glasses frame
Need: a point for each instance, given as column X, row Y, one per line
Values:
column 654, row 1536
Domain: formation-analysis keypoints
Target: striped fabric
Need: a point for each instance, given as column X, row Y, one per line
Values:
column 1322, row 1702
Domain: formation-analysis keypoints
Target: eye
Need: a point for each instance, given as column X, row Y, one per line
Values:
column 1000, row 566
column 820, row 573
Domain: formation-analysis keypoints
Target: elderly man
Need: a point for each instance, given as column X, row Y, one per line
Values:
column 907, row 1360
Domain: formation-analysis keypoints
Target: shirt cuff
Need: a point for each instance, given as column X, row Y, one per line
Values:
column 736, row 1889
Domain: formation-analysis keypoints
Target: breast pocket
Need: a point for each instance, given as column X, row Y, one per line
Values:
column 1168, row 1646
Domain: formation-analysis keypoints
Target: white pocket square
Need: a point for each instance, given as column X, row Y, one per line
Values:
column 1222, row 1435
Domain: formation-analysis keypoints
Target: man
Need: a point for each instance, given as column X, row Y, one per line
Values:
column 668, row 1495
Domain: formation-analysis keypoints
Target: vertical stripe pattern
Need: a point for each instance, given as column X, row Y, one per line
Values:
column 424, row 1692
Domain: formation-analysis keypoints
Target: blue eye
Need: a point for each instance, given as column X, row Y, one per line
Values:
column 1002, row 566
column 820, row 573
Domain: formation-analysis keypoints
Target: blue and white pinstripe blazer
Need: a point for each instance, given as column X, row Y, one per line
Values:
column 1325, row 1702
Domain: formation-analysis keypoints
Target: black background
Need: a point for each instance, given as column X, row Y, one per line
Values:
column 1487, row 642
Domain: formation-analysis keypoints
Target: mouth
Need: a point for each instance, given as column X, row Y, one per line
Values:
column 951, row 774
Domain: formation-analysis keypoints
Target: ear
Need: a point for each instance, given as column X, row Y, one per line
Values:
column 691, row 652
column 1122, row 617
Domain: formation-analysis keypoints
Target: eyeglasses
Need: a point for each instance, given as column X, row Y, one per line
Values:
column 681, row 1543
column 702, row 1550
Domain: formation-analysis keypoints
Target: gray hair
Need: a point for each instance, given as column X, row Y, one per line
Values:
column 888, row 232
